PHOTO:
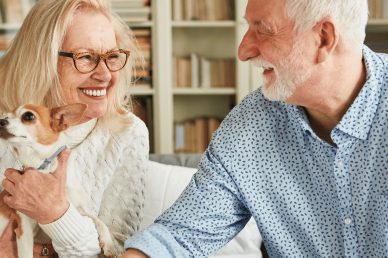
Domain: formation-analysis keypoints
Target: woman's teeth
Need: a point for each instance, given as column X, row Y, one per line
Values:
column 94, row 93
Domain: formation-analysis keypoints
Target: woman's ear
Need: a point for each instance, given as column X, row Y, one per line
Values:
column 328, row 37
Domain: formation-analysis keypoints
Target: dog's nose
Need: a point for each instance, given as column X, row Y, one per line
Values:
column 3, row 122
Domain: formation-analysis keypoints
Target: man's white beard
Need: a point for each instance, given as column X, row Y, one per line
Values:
column 290, row 73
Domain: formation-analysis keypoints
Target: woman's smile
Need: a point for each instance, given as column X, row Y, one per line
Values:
column 93, row 92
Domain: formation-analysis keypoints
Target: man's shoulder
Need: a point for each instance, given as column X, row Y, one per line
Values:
column 257, row 107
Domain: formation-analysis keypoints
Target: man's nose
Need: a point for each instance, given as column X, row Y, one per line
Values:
column 248, row 47
column 3, row 122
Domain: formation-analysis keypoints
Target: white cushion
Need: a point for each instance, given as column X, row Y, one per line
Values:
column 165, row 183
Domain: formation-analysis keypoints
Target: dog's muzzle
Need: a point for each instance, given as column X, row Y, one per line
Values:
column 4, row 134
column 3, row 122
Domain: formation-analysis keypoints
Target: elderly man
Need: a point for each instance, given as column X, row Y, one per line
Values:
column 305, row 155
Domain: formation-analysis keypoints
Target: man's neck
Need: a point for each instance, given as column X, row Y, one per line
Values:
column 333, row 97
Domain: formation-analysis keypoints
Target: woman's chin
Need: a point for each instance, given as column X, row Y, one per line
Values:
column 91, row 114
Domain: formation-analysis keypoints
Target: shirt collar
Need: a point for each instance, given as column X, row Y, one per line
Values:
column 358, row 119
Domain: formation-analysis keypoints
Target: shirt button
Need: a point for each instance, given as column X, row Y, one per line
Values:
column 348, row 221
column 340, row 164
column 361, row 132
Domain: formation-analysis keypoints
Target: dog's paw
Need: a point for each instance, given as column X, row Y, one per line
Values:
column 108, row 249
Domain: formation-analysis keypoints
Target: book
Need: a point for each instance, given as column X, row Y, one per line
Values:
column 133, row 14
column 182, row 71
column 177, row 10
column 195, row 71
column 205, row 73
column 372, row 10
column 194, row 135
column 142, row 68
column 189, row 137
column 204, row 10
column 179, row 138
column 379, row 9
column 142, row 32
column 189, row 10
column 211, row 10
column 385, row 9
column 14, row 11
column 142, row 108
column 3, row 11
column 213, row 124
column 201, row 134
column 195, row 74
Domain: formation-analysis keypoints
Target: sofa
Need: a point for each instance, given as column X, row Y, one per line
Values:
column 167, row 177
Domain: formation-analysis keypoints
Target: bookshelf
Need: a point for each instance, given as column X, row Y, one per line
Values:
column 215, row 39
column 210, row 39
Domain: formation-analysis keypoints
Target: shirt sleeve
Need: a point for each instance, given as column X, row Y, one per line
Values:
column 207, row 215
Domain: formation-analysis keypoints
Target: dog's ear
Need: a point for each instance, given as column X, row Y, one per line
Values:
column 65, row 116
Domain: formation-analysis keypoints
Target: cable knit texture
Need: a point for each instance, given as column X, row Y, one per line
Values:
column 111, row 167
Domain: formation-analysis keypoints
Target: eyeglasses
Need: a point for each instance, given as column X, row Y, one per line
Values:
column 87, row 62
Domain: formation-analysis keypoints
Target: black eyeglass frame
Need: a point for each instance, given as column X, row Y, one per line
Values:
column 75, row 56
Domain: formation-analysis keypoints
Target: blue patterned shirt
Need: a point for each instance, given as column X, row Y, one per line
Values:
column 309, row 199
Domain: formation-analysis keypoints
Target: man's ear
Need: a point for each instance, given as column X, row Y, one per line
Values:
column 65, row 116
column 328, row 37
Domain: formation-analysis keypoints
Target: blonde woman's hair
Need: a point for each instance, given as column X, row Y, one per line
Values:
column 351, row 16
column 28, row 70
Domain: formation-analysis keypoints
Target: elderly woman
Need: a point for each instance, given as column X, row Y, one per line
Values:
column 61, row 55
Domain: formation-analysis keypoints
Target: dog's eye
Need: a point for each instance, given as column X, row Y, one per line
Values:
column 28, row 116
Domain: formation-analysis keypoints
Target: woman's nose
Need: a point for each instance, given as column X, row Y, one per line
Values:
column 102, row 72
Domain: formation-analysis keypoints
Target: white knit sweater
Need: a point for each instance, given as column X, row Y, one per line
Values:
column 111, row 167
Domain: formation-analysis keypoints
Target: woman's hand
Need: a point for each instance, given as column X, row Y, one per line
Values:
column 40, row 196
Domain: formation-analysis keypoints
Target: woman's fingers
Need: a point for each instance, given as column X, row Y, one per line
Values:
column 12, row 176
column 40, row 196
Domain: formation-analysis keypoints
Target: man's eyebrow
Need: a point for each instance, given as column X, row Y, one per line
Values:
column 260, row 23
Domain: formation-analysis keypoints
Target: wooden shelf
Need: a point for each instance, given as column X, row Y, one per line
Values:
column 204, row 91
column 139, row 90
column 203, row 24
column 147, row 24
column 10, row 26
column 378, row 21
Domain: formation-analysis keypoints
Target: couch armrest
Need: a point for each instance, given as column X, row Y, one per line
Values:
column 184, row 160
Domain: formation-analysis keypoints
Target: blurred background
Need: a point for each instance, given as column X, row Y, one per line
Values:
column 191, row 77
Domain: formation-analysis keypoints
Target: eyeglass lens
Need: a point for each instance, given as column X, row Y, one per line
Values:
column 88, row 61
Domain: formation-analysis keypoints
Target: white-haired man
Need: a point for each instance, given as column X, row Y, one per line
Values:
column 305, row 155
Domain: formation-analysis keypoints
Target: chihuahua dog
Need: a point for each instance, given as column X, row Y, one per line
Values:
column 37, row 135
